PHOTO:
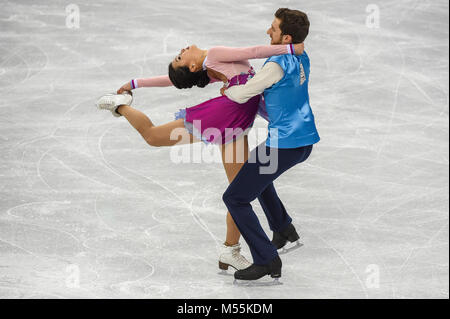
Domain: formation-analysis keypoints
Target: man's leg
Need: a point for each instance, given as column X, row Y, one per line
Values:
column 247, row 186
column 272, row 206
column 280, row 223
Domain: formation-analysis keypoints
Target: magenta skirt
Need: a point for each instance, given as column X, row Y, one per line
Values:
column 220, row 120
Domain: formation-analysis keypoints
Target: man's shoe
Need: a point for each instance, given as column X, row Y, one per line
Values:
column 280, row 239
column 255, row 272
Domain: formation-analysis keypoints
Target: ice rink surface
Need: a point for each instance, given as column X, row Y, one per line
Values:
column 88, row 209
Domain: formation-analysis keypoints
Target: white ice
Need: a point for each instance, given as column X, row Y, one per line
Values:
column 88, row 209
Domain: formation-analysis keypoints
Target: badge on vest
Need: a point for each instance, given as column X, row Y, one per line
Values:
column 302, row 74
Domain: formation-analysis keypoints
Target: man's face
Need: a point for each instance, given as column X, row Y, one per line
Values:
column 275, row 32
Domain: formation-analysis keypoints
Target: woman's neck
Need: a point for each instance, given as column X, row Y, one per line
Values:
column 203, row 57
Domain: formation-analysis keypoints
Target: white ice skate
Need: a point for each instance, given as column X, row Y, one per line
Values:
column 231, row 256
column 111, row 101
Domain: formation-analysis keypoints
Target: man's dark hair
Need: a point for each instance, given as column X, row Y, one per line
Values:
column 183, row 78
column 294, row 23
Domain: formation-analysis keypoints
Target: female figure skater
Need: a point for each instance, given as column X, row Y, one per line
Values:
column 218, row 121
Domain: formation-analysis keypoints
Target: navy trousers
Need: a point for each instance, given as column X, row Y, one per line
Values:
column 255, row 180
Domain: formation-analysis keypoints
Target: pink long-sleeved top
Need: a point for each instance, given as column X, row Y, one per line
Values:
column 226, row 60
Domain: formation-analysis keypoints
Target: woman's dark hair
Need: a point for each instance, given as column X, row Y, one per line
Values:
column 183, row 78
column 294, row 23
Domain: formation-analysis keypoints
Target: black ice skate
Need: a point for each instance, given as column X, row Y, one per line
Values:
column 280, row 239
column 255, row 272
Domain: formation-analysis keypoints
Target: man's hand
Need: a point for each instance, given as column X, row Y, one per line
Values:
column 299, row 48
column 124, row 88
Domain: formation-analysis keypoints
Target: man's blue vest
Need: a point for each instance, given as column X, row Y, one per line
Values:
column 291, row 121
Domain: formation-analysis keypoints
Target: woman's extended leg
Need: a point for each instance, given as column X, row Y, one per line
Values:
column 234, row 155
column 167, row 134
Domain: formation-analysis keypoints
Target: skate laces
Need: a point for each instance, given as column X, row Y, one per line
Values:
column 236, row 253
column 108, row 101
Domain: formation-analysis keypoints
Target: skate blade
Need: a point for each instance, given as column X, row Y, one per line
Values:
column 258, row 283
column 293, row 246
column 224, row 269
column 224, row 273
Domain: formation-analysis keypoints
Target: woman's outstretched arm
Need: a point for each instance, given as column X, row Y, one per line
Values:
column 228, row 54
column 157, row 81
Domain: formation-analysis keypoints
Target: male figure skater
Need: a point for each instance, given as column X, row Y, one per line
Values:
column 292, row 133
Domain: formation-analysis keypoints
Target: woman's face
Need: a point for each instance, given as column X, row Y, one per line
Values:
column 187, row 57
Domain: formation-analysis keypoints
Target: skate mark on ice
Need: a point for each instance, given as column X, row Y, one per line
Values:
column 195, row 216
column 23, row 221
column 347, row 264
column 38, row 169
column 396, row 94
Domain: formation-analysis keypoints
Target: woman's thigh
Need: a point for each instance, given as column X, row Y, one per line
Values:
column 234, row 155
column 169, row 134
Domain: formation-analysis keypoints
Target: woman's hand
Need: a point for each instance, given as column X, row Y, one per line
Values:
column 124, row 88
column 299, row 48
